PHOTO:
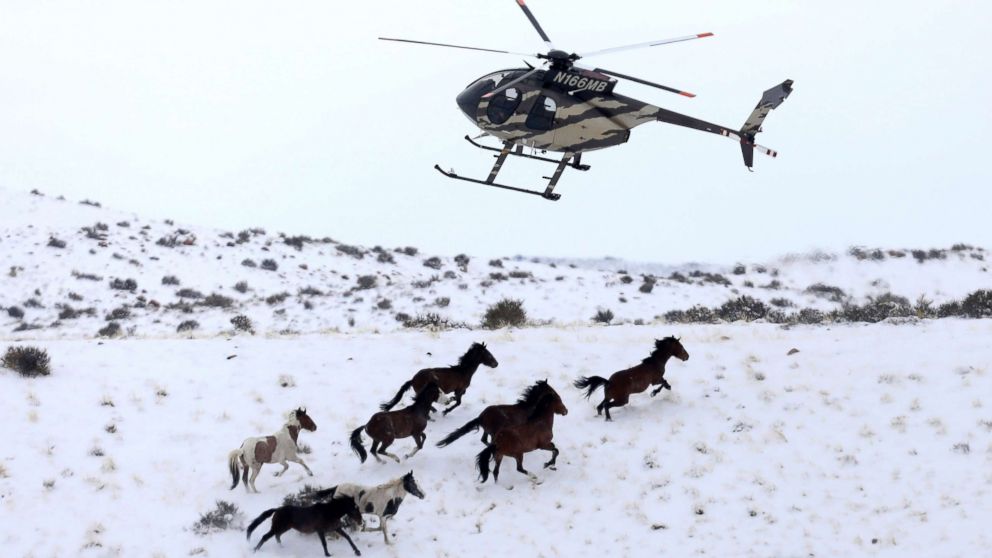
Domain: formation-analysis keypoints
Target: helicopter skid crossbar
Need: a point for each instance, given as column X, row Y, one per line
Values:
column 549, row 196
column 505, row 152
column 518, row 152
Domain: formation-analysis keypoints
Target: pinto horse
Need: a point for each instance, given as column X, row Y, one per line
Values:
column 517, row 440
column 278, row 448
column 319, row 518
column 452, row 379
column 497, row 417
column 386, row 426
column 382, row 501
column 650, row 372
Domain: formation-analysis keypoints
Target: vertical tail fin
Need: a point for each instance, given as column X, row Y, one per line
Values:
column 770, row 100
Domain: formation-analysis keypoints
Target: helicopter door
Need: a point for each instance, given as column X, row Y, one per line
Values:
column 542, row 114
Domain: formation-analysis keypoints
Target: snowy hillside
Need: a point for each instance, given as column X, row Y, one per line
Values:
column 872, row 440
column 62, row 258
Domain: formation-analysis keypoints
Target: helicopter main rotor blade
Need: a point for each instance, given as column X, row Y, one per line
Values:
column 644, row 82
column 646, row 45
column 456, row 46
column 533, row 21
column 505, row 86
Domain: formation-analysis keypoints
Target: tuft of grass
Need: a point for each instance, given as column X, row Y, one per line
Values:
column 243, row 323
column 113, row 329
column 29, row 362
column 188, row 325
column 603, row 316
column 225, row 516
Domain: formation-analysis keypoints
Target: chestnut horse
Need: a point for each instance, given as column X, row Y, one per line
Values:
column 278, row 448
column 497, row 417
column 319, row 518
column 452, row 379
column 650, row 372
column 517, row 440
column 386, row 426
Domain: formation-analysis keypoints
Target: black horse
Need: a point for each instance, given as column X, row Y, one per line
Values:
column 451, row 379
column 318, row 518
column 494, row 418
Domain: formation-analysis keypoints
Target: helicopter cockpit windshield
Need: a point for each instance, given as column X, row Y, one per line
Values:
column 468, row 100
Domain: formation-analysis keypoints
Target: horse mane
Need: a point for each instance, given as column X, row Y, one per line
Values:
column 464, row 359
column 660, row 346
column 530, row 395
column 543, row 404
column 292, row 419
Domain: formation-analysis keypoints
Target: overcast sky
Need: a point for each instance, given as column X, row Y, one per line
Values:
column 292, row 116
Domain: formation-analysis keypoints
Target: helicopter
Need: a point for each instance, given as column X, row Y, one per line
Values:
column 564, row 107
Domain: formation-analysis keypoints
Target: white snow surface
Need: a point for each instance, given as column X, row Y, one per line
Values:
column 872, row 440
column 320, row 281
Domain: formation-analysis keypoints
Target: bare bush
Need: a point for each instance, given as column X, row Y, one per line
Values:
column 224, row 517
column 243, row 323
column 505, row 313
column 269, row 264
column 27, row 361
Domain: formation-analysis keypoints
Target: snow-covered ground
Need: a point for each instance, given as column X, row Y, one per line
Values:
column 325, row 285
column 872, row 440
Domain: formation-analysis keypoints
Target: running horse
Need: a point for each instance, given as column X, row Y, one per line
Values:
column 386, row 426
column 650, row 372
column 451, row 379
column 515, row 441
column 278, row 448
column 494, row 418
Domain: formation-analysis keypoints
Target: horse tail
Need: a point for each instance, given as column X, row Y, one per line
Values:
column 591, row 382
column 399, row 395
column 232, row 465
column 258, row 520
column 471, row 425
column 356, row 443
column 482, row 462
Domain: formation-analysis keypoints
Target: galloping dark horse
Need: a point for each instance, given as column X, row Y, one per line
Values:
column 515, row 441
column 319, row 518
column 386, row 426
column 450, row 379
column 650, row 372
column 497, row 417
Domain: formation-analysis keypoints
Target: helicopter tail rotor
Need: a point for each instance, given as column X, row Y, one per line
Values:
column 770, row 100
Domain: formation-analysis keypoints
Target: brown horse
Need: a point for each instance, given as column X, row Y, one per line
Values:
column 515, row 441
column 319, row 518
column 386, row 426
column 497, row 417
column 452, row 379
column 650, row 372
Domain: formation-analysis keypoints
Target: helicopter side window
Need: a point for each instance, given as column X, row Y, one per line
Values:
column 542, row 114
column 501, row 106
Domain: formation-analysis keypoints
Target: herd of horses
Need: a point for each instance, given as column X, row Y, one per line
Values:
column 509, row 430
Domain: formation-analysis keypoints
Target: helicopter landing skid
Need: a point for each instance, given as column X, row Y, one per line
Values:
column 508, row 150
column 519, row 152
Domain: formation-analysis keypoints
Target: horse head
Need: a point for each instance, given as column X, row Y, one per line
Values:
column 410, row 485
column 481, row 354
column 673, row 346
column 304, row 419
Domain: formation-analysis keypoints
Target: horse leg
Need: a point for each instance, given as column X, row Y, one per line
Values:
column 323, row 541
column 520, row 467
column 375, row 450
column 285, row 467
column 256, row 468
column 382, row 449
column 419, row 439
column 341, row 532
column 498, row 457
column 299, row 460
column 382, row 525
column 458, row 401
column 554, row 455
column 244, row 473
column 267, row 536
column 601, row 406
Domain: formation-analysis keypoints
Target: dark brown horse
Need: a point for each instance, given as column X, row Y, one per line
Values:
column 650, row 372
column 452, row 379
column 517, row 440
column 318, row 518
column 386, row 426
column 497, row 417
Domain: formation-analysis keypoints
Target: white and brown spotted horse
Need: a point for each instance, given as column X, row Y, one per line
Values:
column 382, row 501
column 278, row 448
